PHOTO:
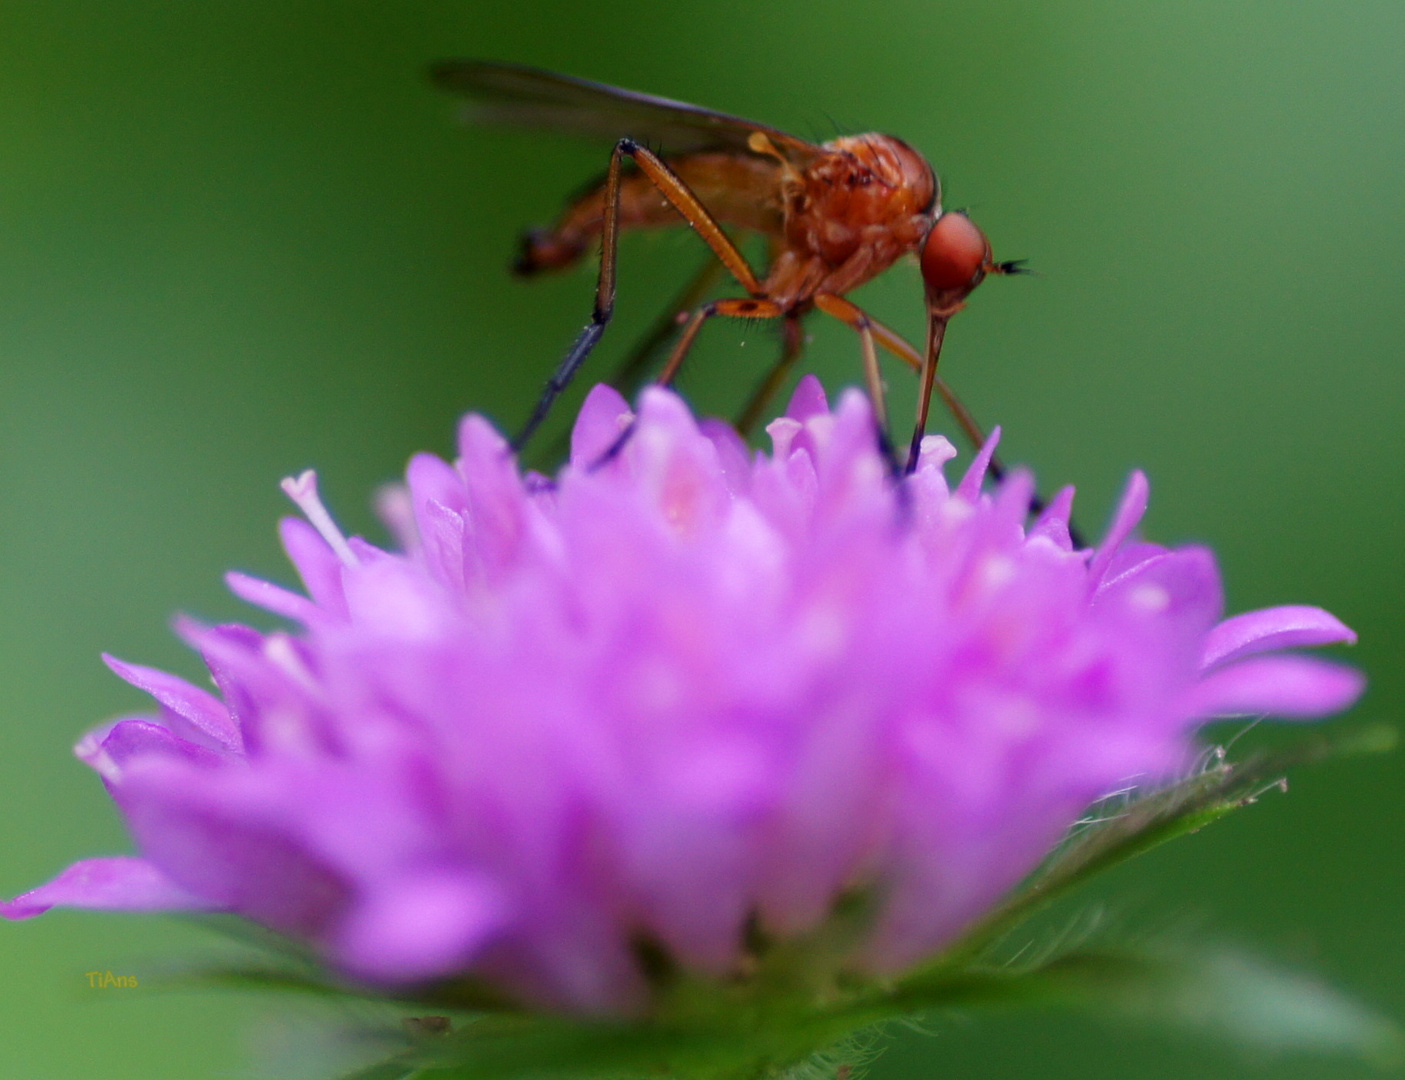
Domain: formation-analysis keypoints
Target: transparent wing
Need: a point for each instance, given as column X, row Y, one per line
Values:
column 519, row 96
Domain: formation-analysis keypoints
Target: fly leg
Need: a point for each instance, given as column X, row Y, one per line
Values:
column 846, row 311
column 629, row 376
column 936, row 331
column 894, row 343
column 682, row 199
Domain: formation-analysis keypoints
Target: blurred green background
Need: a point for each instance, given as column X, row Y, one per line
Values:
column 237, row 240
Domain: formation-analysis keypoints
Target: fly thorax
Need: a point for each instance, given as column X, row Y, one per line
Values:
column 862, row 187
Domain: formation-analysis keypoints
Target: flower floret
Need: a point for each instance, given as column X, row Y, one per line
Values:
column 675, row 697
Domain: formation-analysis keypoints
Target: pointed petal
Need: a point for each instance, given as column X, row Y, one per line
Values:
column 438, row 496
column 109, row 749
column 732, row 453
column 660, row 407
column 1297, row 687
column 1128, row 516
column 808, row 400
column 604, row 414
column 1013, row 499
column 316, row 563
column 271, row 597
column 198, row 707
column 1053, row 522
column 441, row 542
column 496, row 516
column 970, row 486
column 1292, row 626
column 118, row 883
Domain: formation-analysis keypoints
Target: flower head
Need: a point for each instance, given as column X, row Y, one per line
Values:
column 681, row 698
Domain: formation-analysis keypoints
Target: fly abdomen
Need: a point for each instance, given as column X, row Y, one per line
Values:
column 540, row 250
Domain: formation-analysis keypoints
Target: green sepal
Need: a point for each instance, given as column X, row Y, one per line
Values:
column 1124, row 830
column 1222, row 993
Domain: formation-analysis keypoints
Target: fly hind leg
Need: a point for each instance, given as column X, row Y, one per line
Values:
column 682, row 199
column 631, row 372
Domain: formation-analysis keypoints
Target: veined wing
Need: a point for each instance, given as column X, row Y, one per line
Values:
column 521, row 96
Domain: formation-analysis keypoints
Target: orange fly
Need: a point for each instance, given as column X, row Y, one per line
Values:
column 836, row 214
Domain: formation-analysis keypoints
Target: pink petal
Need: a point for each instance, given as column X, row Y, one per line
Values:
column 732, row 453
column 604, row 414
column 316, row 563
column 231, row 836
column 420, row 926
column 200, row 708
column 1296, row 687
column 441, row 542
column 271, row 597
column 495, row 518
column 438, row 495
column 1053, row 522
column 1292, row 626
column 433, row 478
column 108, row 750
column 117, row 883
column 1128, row 516
column 661, row 408
column 970, row 486
column 808, row 400
column 1173, row 585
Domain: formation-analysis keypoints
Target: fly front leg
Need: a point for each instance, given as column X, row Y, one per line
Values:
column 682, row 199
column 927, row 374
column 894, row 343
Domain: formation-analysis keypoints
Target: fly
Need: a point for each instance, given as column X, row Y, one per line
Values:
column 836, row 214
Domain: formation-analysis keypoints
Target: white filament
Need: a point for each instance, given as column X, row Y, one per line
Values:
column 303, row 491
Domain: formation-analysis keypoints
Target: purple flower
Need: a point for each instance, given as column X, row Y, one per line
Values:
column 668, row 698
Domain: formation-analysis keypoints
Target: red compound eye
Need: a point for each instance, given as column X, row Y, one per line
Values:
column 955, row 255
